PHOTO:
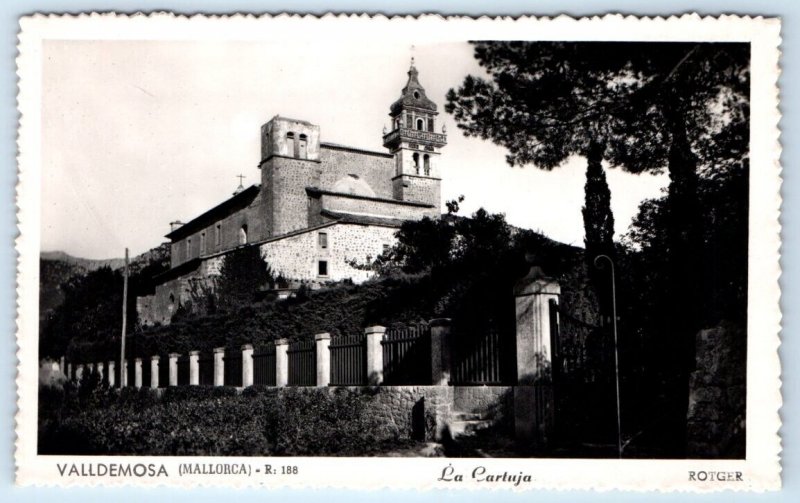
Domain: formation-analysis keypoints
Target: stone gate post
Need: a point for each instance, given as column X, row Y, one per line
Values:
column 533, row 395
column 219, row 366
column 154, row 377
column 100, row 369
column 194, row 368
column 112, row 376
column 61, row 366
column 374, row 337
column 124, row 373
column 173, row 369
column 281, row 362
column 323, row 350
column 247, row 365
column 69, row 370
column 137, row 372
column 440, row 351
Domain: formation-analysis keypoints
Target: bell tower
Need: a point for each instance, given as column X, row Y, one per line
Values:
column 415, row 144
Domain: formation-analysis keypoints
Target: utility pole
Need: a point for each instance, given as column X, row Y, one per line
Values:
column 124, row 322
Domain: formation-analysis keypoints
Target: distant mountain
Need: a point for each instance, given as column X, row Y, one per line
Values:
column 58, row 267
column 84, row 263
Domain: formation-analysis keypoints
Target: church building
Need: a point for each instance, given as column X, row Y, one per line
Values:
column 320, row 208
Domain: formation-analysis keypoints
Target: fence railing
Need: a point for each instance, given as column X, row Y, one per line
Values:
column 414, row 354
column 264, row 372
column 183, row 371
column 406, row 355
column 206, row 370
column 477, row 358
column 302, row 363
column 348, row 360
column 233, row 368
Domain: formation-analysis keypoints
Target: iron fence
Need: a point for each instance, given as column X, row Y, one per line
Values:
column 349, row 360
column 302, row 363
column 407, row 355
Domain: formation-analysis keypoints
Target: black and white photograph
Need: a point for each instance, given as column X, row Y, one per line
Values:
column 398, row 247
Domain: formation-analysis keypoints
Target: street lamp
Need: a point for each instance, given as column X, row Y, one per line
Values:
column 598, row 263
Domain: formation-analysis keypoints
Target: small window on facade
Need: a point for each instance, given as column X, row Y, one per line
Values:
column 385, row 247
column 416, row 162
column 290, row 144
column 243, row 235
column 427, row 164
column 323, row 240
column 302, row 146
column 202, row 243
column 188, row 248
column 420, row 124
column 322, row 268
column 430, row 124
column 217, row 234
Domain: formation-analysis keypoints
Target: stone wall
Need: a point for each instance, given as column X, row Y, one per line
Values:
column 716, row 417
column 284, row 183
column 491, row 402
column 251, row 216
column 375, row 169
column 297, row 256
column 421, row 189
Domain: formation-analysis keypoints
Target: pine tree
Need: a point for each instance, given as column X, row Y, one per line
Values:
column 243, row 273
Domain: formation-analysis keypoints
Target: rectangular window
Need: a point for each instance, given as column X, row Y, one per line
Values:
column 323, row 240
column 430, row 124
column 322, row 267
column 188, row 248
column 217, row 234
column 202, row 243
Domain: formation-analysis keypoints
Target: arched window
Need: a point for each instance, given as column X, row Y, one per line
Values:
column 420, row 124
column 202, row 243
column 243, row 235
column 427, row 164
column 171, row 304
column 416, row 162
column 188, row 248
column 302, row 146
column 290, row 144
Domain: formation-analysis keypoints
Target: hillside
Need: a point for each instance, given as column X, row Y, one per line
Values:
column 56, row 268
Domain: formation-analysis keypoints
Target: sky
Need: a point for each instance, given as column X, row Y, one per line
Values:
column 136, row 134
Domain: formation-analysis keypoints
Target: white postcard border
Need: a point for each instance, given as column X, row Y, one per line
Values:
column 762, row 466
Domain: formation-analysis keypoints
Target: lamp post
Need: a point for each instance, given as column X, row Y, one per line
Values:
column 598, row 263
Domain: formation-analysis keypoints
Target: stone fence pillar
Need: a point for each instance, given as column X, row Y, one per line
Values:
column 194, row 368
column 219, row 366
column 281, row 362
column 79, row 372
column 173, row 369
column 154, row 360
column 323, row 348
column 112, row 373
column 247, row 365
column 533, row 395
column 440, row 351
column 61, row 367
column 124, row 374
column 137, row 372
column 100, row 370
column 69, row 370
column 374, row 336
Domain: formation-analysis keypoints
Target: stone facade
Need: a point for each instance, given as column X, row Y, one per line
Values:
column 360, row 195
column 717, row 394
column 298, row 256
